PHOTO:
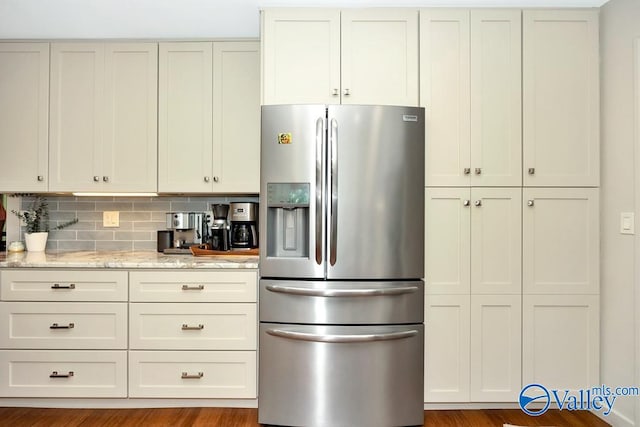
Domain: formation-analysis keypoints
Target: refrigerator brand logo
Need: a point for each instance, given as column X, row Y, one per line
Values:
column 409, row 118
column 284, row 138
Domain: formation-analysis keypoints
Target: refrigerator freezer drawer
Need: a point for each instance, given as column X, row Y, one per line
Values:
column 341, row 375
column 336, row 302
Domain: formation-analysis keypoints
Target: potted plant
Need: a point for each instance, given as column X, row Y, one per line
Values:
column 36, row 220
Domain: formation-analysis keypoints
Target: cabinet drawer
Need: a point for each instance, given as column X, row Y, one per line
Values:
column 193, row 374
column 193, row 286
column 63, row 373
column 59, row 325
column 190, row 326
column 60, row 285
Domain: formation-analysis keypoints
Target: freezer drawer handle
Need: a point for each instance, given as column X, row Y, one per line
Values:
column 342, row 292
column 55, row 374
column 192, row 288
column 302, row 336
column 58, row 286
column 186, row 375
column 186, row 327
column 56, row 326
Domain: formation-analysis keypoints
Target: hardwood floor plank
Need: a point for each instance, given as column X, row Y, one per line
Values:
column 243, row 417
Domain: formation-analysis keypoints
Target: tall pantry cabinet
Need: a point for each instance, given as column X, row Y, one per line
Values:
column 484, row 114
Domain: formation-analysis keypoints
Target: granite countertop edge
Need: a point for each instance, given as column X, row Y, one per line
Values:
column 123, row 260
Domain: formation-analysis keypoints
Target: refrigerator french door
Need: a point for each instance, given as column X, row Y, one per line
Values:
column 341, row 257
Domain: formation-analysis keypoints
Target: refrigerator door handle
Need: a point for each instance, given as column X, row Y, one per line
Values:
column 342, row 292
column 320, row 139
column 333, row 241
column 303, row 336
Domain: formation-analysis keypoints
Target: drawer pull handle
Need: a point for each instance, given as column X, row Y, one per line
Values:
column 56, row 326
column 186, row 327
column 197, row 376
column 57, row 286
column 55, row 374
column 192, row 288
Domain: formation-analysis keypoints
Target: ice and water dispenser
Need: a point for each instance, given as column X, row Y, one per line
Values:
column 288, row 219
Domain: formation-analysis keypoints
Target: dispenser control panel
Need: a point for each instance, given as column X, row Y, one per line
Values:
column 288, row 195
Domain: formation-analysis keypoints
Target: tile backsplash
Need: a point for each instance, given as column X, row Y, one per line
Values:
column 140, row 218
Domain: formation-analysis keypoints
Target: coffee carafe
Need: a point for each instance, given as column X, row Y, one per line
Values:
column 244, row 219
column 220, row 227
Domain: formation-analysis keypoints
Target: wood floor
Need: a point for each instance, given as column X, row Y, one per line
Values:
column 227, row 417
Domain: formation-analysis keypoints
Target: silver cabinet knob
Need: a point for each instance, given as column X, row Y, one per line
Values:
column 532, row 171
column 105, row 178
column 346, row 92
column 96, row 178
column 478, row 171
column 207, row 179
column 40, row 178
column 478, row 203
column 530, row 203
column 336, row 92
column 466, row 203
column 216, row 179
column 467, row 171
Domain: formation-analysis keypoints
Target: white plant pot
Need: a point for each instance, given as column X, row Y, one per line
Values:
column 36, row 242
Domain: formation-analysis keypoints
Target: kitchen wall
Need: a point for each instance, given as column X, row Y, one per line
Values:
column 619, row 20
column 140, row 218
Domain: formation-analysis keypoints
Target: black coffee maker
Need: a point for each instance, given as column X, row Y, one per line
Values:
column 220, row 228
column 244, row 225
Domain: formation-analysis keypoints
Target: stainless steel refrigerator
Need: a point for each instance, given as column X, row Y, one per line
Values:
column 341, row 262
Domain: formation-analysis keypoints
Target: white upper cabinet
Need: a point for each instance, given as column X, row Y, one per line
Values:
column 470, row 77
column 300, row 56
column 103, row 117
column 209, row 117
column 561, row 98
column 24, row 116
column 328, row 56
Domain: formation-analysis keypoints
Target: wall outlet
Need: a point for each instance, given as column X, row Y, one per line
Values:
column 111, row 219
column 627, row 223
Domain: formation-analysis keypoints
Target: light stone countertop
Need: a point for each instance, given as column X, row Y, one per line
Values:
column 123, row 259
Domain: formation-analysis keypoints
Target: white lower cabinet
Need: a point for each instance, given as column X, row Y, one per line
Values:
column 561, row 341
column 495, row 348
column 63, row 373
column 193, row 374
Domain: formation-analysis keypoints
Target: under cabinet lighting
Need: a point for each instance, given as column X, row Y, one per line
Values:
column 89, row 194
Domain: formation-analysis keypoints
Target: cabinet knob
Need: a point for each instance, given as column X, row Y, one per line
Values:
column 207, row 179
column 216, row 179
column 532, row 171
column 466, row 203
column 105, row 178
column 336, row 92
column 40, row 178
column 530, row 203
column 478, row 203
column 346, row 92
column 467, row 171
column 478, row 171
column 96, row 178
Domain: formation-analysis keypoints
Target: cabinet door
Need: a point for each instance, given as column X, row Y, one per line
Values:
column 379, row 56
column 236, row 117
column 445, row 94
column 496, row 242
column 130, row 158
column 560, row 98
column 495, row 348
column 496, row 120
column 560, row 341
column 447, row 246
column 560, row 241
column 24, row 116
column 446, row 348
column 77, row 111
column 300, row 56
column 185, row 117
